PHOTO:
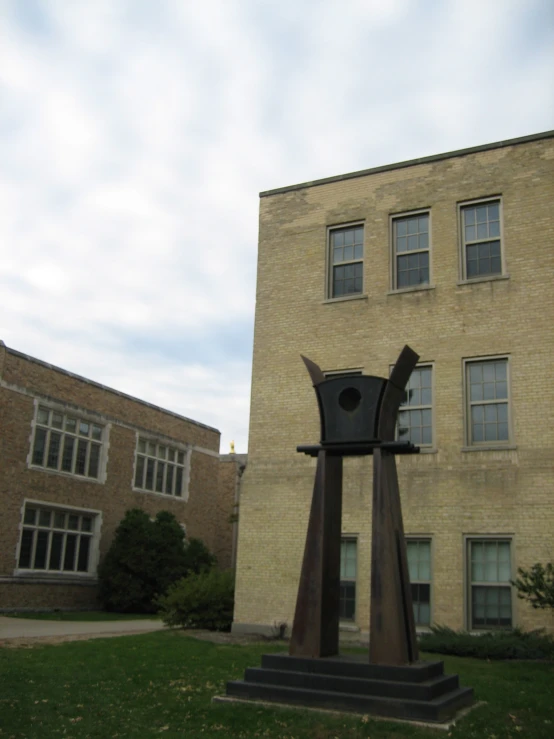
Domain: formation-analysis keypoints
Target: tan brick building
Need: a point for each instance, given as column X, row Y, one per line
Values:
column 454, row 255
column 74, row 457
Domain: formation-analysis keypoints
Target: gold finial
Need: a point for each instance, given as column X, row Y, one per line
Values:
column 232, row 447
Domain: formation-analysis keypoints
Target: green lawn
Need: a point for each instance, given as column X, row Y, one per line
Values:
column 161, row 684
column 80, row 616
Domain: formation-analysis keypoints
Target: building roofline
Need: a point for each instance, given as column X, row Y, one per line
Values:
column 105, row 388
column 411, row 163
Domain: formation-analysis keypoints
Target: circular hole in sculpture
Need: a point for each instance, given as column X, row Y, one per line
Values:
column 349, row 399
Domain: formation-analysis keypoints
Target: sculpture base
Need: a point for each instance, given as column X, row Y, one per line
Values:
column 417, row 692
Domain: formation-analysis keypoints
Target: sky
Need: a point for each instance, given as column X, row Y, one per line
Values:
column 136, row 135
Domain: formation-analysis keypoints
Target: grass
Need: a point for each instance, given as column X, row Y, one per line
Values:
column 80, row 616
column 162, row 684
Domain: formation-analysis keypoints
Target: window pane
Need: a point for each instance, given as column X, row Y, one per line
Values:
column 81, row 460
column 43, row 415
column 26, row 548
column 71, row 425
column 39, row 447
column 169, row 479
column 67, row 456
column 149, row 484
column 57, row 420
column 160, row 477
column 30, row 515
column 59, row 520
column 55, row 562
column 44, row 518
column 70, row 548
column 94, row 460
column 84, row 428
column 139, row 474
column 179, row 481
column 347, row 602
column 82, row 560
column 96, row 432
column 53, row 450
column 41, row 550
column 73, row 522
column 86, row 523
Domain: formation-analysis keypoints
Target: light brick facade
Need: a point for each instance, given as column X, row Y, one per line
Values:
column 204, row 506
column 456, row 490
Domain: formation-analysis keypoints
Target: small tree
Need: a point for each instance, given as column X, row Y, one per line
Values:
column 144, row 559
column 536, row 585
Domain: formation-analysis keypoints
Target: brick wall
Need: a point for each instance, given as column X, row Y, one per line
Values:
column 23, row 383
column 449, row 493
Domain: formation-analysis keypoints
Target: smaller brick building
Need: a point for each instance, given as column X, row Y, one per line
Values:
column 75, row 456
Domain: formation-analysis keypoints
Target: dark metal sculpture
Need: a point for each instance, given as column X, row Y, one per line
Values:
column 358, row 417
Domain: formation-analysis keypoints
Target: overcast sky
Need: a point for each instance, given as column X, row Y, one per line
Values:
column 135, row 136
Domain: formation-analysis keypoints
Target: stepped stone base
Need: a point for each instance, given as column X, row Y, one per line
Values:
column 417, row 692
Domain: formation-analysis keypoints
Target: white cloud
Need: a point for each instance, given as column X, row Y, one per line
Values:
column 134, row 138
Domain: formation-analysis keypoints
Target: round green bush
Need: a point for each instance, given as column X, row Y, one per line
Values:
column 200, row 601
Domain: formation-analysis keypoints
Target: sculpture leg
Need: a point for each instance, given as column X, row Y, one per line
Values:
column 392, row 629
column 315, row 632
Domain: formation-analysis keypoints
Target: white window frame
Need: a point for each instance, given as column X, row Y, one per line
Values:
column 463, row 243
column 393, row 221
column 329, row 291
column 80, row 417
column 427, row 539
column 469, row 539
column 45, row 573
column 179, row 451
column 350, row 538
column 431, row 445
column 468, row 403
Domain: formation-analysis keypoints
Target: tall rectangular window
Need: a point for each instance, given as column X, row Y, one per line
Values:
column 410, row 238
column 346, row 255
column 348, row 568
column 159, row 468
column 415, row 417
column 66, row 442
column 490, row 591
column 56, row 540
column 481, row 240
column 419, row 566
column 487, row 392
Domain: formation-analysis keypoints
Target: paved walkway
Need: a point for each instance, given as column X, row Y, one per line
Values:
column 26, row 628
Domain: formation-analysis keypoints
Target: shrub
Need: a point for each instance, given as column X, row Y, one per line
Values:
column 202, row 600
column 513, row 644
column 536, row 585
column 144, row 559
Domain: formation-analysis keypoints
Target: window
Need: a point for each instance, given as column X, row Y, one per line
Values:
column 347, row 604
column 66, row 442
column 419, row 566
column 415, row 417
column 56, row 540
column 480, row 224
column 487, row 394
column 346, row 249
column 410, row 237
column 490, row 592
column 159, row 468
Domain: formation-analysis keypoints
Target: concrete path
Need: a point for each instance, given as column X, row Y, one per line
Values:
column 26, row 628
